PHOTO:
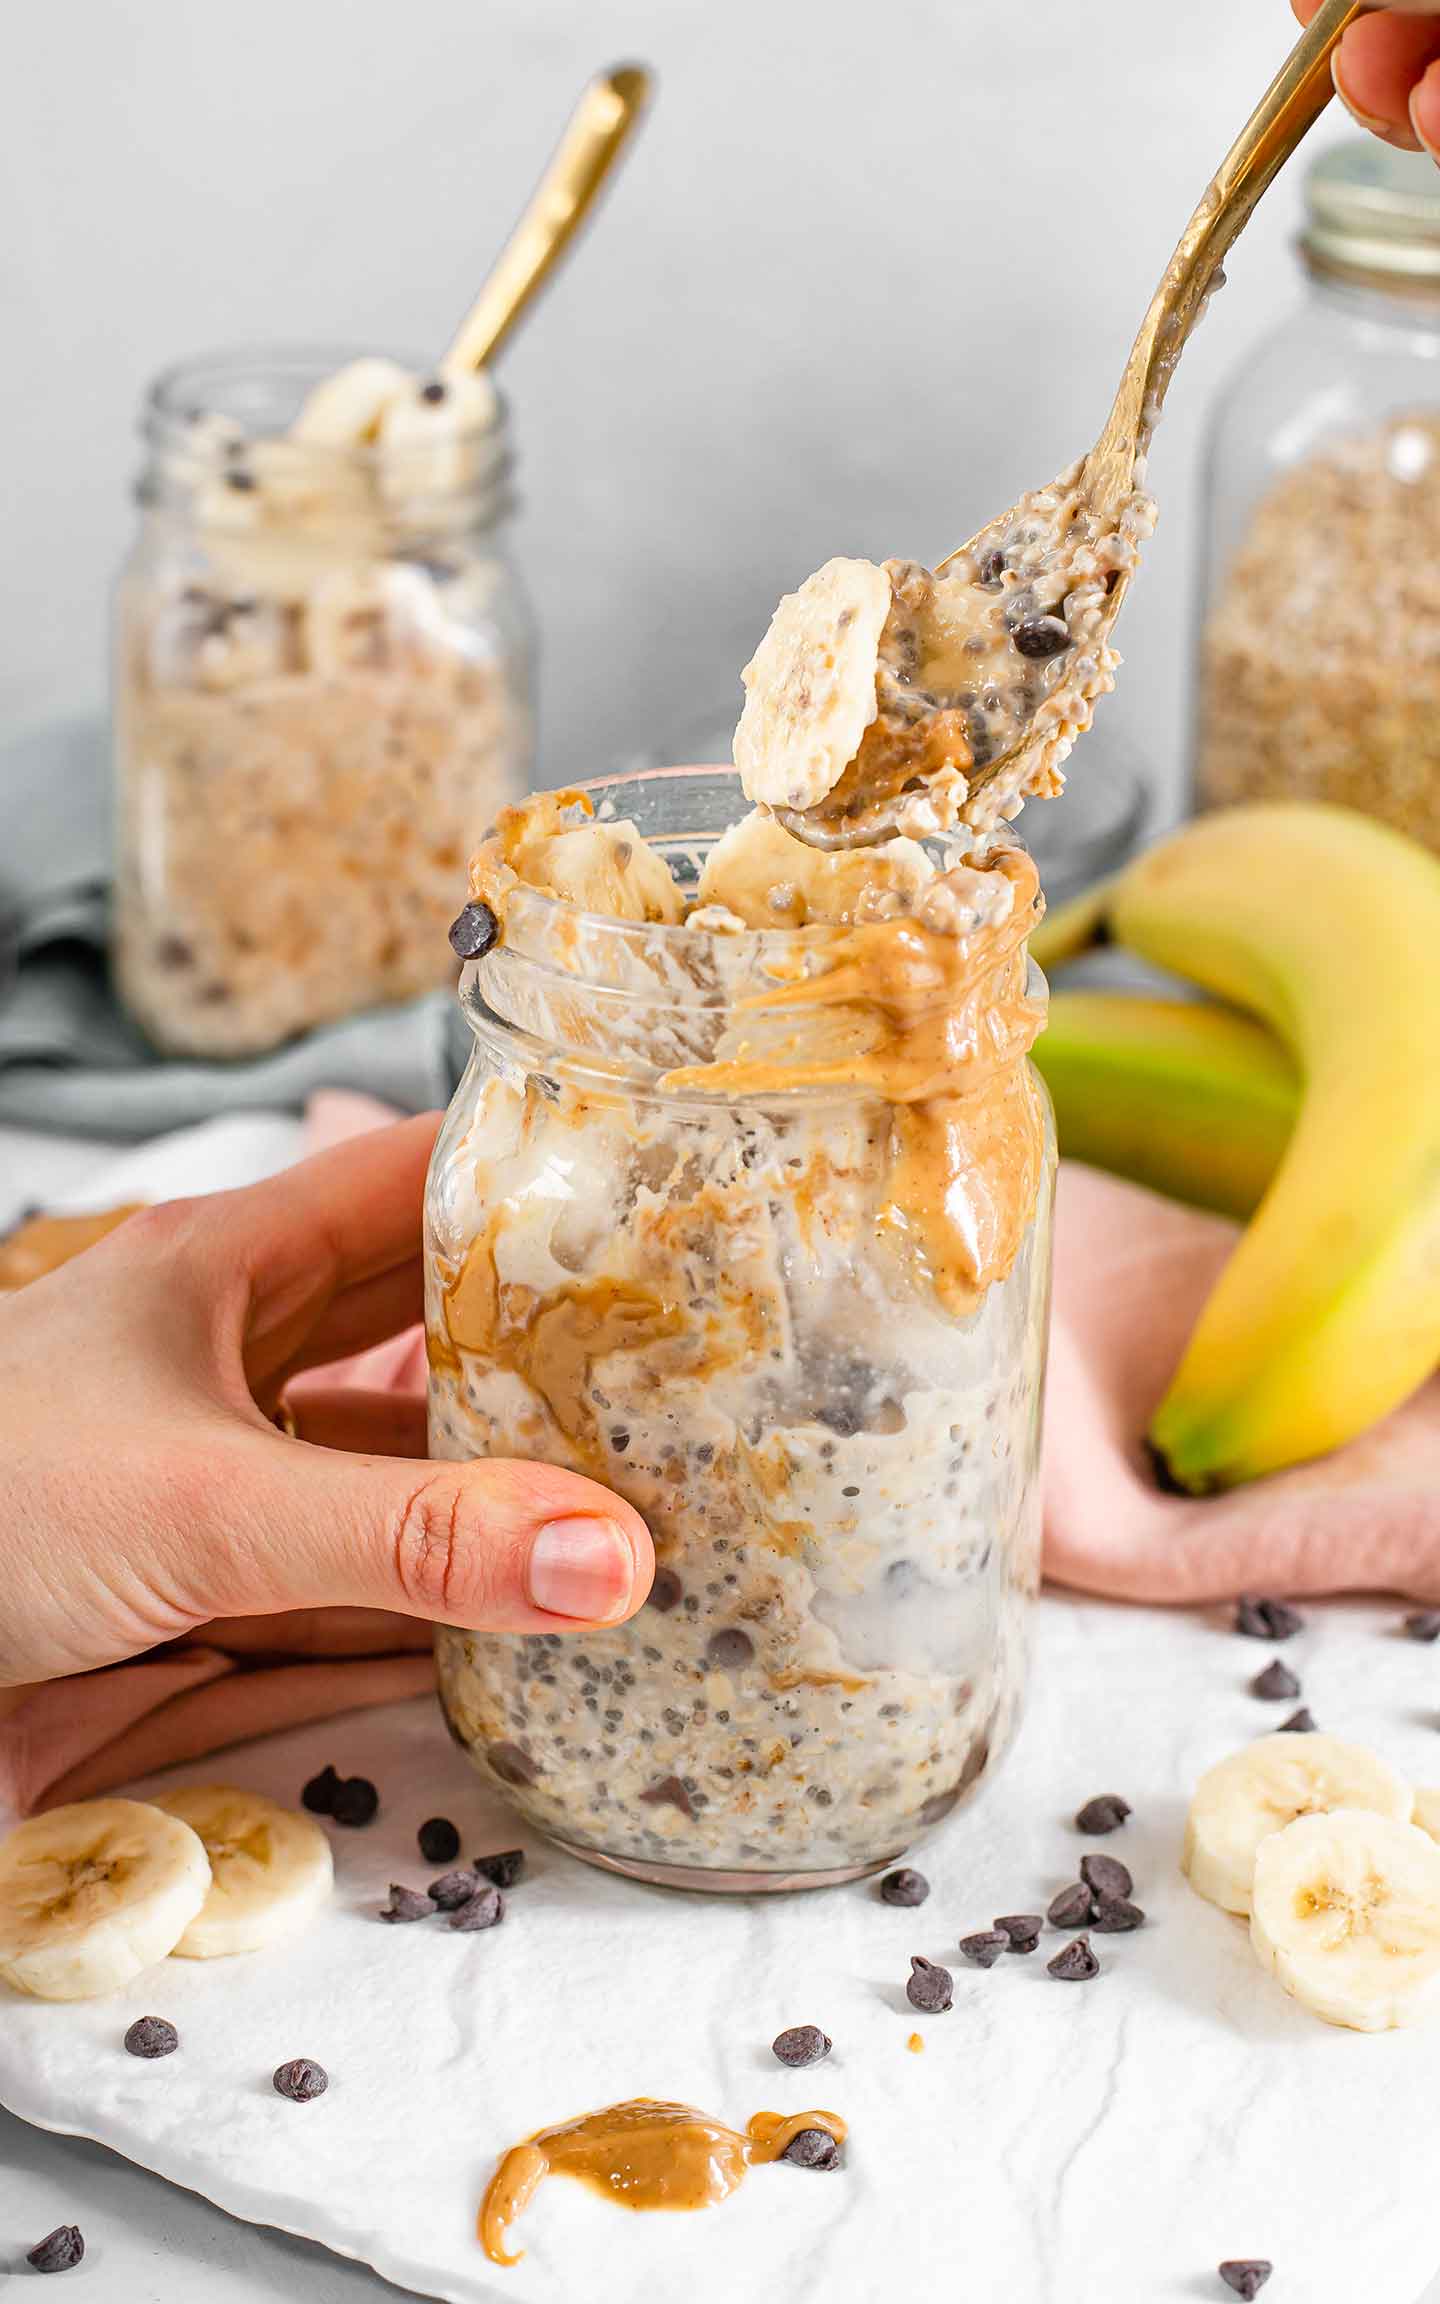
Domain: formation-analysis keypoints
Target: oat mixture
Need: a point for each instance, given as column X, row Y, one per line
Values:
column 1320, row 666
column 744, row 1214
column 314, row 705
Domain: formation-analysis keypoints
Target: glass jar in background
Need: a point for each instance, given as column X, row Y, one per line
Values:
column 1319, row 669
column 322, row 686
column 727, row 1306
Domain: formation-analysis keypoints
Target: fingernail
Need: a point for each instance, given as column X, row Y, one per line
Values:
column 1415, row 94
column 1387, row 130
column 583, row 1568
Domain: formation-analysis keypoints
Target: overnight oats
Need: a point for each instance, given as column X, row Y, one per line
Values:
column 742, row 1207
column 321, row 687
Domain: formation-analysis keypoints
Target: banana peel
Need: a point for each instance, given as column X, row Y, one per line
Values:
column 1324, row 925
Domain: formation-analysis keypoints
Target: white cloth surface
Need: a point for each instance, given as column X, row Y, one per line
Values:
column 1111, row 2139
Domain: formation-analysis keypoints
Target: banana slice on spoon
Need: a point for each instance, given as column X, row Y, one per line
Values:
column 94, row 1893
column 270, row 1867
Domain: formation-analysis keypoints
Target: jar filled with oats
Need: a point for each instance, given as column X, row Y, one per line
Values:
column 321, row 684
column 743, row 1207
column 1319, row 671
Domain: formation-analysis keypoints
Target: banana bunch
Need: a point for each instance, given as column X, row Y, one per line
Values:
column 1315, row 1113
column 93, row 1893
column 1336, row 1862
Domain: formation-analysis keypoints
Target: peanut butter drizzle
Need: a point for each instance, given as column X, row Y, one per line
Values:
column 646, row 2154
column 794, row 1677
column 942, row 1024
column 42, row 1244
column 499, row 863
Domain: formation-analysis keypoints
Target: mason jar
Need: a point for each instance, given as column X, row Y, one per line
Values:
column 1319, row 665
column 711, row 1287
column 322, row 682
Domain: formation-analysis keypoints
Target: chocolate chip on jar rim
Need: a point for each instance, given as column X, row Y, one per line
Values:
column 802, row 2044
column 473, row 932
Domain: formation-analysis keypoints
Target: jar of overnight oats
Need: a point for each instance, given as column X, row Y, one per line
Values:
column 321, row 684
column 1319, row 667
column 743, row 1207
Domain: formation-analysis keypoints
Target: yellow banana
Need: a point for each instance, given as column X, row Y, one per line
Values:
column 1188, row 1098
column 1325, row 924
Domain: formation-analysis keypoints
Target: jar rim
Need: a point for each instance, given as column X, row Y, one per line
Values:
column 260, row 386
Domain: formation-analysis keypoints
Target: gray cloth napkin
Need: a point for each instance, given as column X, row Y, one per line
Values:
column 70, row 1059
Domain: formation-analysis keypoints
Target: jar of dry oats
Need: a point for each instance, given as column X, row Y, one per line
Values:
column 321, row 685
column 1319, row 672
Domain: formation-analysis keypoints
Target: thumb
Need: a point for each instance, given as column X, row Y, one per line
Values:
column 492, row 1545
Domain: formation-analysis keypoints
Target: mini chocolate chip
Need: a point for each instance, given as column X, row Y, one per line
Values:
column 319, row 1794
column 931, row 1988
column 1106, row 1875
column 986, row 1947
column 1074, row 1907
column 1103, row 1814
column 1301, row 1723
column 812, row 2148
column 1022, row 1928
column 1076, row 1964
column 151, row 2036
column 904, row 1887
column 434, row 392
column 992, row 568
column 406, row 1904
column 486, row 1910
column 439, row 1840
column 1267, row 1619
column 668, row 1793
column 729, row 1648
column 503, row 1869
column 302, row 2080
column 451, row 1890
column 802, row 2044
column 1424, row 1625
column 1247, row 2275
column 1042, row 636
column 356, row 1801
column 473, row 931
column 1116, row 1916
column 59, row 2251
column 240, row 480
column 665, row 1592
column 1275, row 1684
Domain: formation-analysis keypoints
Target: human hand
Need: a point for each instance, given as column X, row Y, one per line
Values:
column 1387, row 72
column 145, row 1489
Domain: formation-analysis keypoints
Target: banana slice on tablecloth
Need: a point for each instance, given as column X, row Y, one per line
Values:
column 93, row 1893
column 810, row 688
column 1257, row 1791
column 270, row 1869
column 1346, row 1914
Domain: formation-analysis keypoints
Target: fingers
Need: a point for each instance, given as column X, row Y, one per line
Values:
column 365, row 1423
column 1379, row 63
column 497, row 1545
column 1425, row 110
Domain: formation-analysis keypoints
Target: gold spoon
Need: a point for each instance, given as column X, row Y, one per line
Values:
column 597, row 132
column 1109, row 475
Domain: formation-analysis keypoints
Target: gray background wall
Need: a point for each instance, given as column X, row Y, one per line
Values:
column 871, row 271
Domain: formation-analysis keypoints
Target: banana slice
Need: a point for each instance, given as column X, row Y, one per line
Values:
column 93, row 1893
column 346, row 409
column 605, row 868
column 271, row 1868
column 810, row 688
column 1347, row 1916
column 1242, row 1800
column 431, row 434
column 1427, row 1812
column 769, row 879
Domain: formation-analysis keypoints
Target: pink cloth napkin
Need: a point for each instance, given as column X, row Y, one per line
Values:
column 1132, row 1271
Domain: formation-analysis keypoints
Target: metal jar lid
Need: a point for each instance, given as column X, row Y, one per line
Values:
column 1370, row 208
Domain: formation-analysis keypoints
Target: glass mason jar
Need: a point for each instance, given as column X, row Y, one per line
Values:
column 322, row 683
column 707, row 1301
column 1319, row 669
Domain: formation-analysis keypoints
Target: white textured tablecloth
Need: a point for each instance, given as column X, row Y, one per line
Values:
column 1052, row 2142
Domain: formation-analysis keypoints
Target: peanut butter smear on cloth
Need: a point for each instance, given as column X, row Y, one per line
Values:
column 645, row 2154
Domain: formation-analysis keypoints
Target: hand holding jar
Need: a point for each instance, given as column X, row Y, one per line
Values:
column 1387, row 72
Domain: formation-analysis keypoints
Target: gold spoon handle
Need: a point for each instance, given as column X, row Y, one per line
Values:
column 1291, row 104
column 598, row 130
